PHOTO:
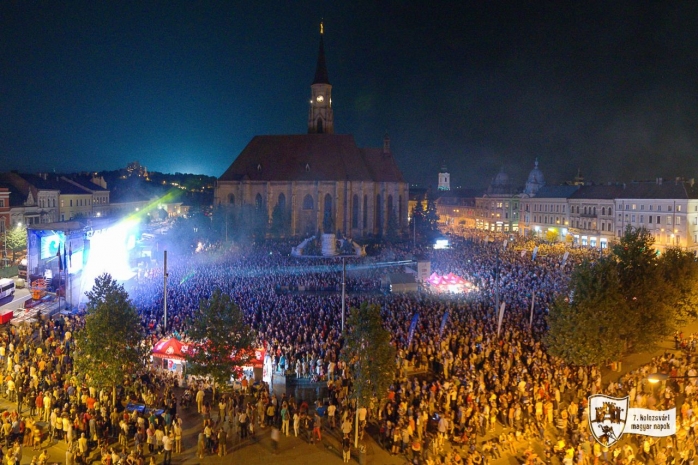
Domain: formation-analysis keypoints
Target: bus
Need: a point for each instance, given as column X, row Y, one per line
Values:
column 7, row 288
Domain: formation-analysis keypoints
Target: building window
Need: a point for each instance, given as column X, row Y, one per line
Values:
column 71, row 202
column 678, row 208
column 668, row 208
column 659, row 208
column 650, row 219
column 355, row 211
column 365, row 218
column 668, row 220
column 603, row 211
column 308, row 202
column 634, row 206
column 658, row 219
column 610, row 211
column 651, row 207
column 627, row 206
column 642, row 218
column 678, row 220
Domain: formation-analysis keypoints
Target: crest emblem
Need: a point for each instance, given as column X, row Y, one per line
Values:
column 607, row 417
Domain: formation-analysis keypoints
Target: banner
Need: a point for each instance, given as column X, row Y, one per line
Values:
column 413, row 326
column 610, row 417
column 655, row 423
column 564, row 258
column 501, row 317
column 504, row 246
column 535, row 252
column 533, row 303
column 443, row 323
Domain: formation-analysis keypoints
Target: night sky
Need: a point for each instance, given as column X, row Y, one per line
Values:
column 608, row 87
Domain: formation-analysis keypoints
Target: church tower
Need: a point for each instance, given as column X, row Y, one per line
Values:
column 320, row 117
column 444, row 178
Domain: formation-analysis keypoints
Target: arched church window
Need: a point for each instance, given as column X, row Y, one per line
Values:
column 365, row 218
column 379, row 213
column 308, row 202
column 399, row 210
column 319, row 126
column 231, row 199
column 355, row 211
column 327, row 220
column 282, row 201
column 258, row 202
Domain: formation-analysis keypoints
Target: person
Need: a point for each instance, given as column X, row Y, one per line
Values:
column 167, row 441
column 222, row 442
column 285, row 418
column 317, row 426
column 242, row 420
column 346, row 448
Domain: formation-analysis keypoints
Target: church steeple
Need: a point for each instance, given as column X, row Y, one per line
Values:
column 320, row 116
column 321, row 69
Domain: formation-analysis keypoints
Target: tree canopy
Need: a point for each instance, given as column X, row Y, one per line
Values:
column 223, row 339
column 109, row 346
column 369, row 353
column 624, row 302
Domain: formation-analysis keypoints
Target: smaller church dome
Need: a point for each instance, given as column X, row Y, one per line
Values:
column 502, row 179
column 535, row 180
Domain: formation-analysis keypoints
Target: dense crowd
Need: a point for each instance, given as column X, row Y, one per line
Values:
column 463, row 391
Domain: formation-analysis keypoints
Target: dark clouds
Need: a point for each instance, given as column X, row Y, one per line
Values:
column 607, row 87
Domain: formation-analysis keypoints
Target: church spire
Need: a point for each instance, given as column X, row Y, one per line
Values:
column 321, row 70
column 320, row 116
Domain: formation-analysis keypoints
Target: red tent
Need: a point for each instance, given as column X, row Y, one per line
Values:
column 172, row 349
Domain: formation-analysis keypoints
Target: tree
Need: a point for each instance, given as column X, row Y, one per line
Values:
column 393, row 229
column 680, row 271
column 625, row 302
column 280, row 220
column 369, row 353
column 651, row 302
column 222, row 338
column 590, row 325
column 551, row 235
column 431, row 218
column 109, row 346
column 16, row 240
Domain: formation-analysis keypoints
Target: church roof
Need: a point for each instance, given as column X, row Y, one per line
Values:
column 311, row 157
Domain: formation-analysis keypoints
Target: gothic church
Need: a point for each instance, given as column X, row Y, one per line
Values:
column 320, row 180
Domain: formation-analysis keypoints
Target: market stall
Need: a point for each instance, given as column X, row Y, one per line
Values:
column 170, row 354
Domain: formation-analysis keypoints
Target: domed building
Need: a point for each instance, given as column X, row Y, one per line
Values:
column 498, row 209
column 535, row 180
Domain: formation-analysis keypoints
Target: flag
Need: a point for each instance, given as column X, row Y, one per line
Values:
column 443, row 323
column 564, row 258
column 60, row 259
column 523, row 253
column 413, row 327
column 70, row 255
column 535, row 252
column 504, row 246
column 501, row 317
column 533, row 303
column 65, row 258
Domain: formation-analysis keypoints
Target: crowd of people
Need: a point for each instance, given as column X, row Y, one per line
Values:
column 464, row 390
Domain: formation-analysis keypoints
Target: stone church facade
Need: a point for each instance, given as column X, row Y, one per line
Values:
column 320, row 180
